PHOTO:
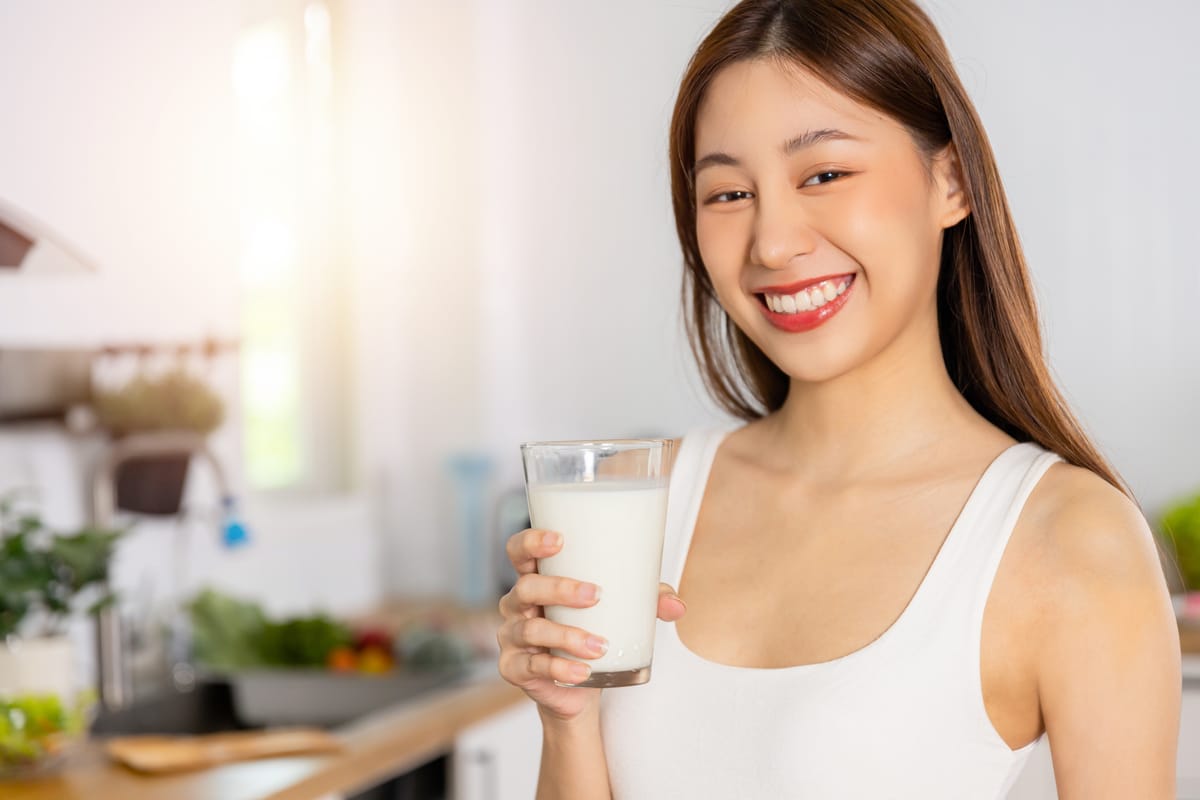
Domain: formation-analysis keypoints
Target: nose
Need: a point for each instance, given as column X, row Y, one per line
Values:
column 781, row 232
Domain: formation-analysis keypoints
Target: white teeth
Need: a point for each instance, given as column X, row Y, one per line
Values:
column 806, row 300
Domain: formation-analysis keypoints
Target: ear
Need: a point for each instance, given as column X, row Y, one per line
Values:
column 953, row 205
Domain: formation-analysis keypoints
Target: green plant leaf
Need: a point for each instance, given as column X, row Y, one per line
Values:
column 1180, row 525
column 45, row 572
column 176, row 400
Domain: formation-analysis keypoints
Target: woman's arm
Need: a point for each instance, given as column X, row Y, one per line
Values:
column 1109, row 678
column 573, row 763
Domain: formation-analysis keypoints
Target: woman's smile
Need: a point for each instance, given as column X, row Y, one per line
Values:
column 805, row 305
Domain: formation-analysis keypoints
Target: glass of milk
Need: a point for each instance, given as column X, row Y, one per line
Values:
column 608, row 499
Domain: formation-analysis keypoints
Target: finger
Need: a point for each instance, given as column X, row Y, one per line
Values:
column 526, row 547
column 521, row 669
column 539, row 632
column 670, row 605
column 533, row 589
column 504, row 635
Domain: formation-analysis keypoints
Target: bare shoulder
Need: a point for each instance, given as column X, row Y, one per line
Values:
column 1091, row 538
column 1107, row 647
column 1093, row 555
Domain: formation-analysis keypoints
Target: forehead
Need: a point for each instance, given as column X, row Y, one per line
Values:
column 762, row 100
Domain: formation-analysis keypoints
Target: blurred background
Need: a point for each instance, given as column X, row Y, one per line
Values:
column 364, row 248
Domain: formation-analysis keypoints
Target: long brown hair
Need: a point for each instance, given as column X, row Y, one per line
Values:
column 888, row 55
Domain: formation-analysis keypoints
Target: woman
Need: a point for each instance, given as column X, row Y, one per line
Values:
column 909, row 564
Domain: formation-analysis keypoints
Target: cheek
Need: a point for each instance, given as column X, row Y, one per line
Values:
column 885, row 228
column 723, row 245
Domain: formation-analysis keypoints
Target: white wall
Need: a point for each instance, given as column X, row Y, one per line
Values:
column 1088, row 108
column 117, row 134
column 511, row 226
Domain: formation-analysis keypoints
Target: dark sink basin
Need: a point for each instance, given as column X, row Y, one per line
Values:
column 259, row 698
column 208, row 708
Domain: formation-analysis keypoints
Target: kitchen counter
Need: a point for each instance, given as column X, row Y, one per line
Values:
column 378, row 747
column 385, row 744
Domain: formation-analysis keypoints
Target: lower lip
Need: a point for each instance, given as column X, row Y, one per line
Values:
column 807, row 320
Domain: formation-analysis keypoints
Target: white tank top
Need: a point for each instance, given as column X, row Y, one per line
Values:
column 903, row 717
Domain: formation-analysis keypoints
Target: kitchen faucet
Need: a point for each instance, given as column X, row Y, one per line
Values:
column 114, row 676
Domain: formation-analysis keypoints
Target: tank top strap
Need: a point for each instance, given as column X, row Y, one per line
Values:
column 954, row 592
column 992, row 529
column 946, row 615
column 689, row 477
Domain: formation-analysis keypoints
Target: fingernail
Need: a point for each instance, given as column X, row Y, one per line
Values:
column 551, row 539
column 588, row 591
column 597, row 645
column 580, row 672
column 679, row 600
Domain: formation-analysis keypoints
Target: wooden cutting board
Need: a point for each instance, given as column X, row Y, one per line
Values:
column 158, row 754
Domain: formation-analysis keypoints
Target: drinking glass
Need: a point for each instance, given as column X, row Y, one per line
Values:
column 608, row 499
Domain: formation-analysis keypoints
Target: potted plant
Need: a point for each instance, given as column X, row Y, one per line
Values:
column 45, row 576
column 176, row 402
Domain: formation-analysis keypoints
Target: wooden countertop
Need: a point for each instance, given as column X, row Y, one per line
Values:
column 376, row 748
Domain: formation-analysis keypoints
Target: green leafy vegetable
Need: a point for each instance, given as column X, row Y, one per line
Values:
column 303, row 641
column 231, row 634
column 225, row 631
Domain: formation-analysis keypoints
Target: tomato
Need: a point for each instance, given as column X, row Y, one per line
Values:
column 342, row 659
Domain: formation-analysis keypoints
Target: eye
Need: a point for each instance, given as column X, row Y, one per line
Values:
column 731, row 197
column 823, row 177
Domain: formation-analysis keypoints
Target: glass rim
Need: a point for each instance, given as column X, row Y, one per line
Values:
column 580, row 444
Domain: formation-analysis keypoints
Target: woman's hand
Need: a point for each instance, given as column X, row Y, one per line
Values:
column 526, row 635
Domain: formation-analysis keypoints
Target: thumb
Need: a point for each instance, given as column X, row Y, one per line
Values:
column 670, row 605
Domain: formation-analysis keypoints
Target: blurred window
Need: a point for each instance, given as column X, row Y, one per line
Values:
column 292, row 303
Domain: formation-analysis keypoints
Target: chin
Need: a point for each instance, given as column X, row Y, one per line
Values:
column 810, row 358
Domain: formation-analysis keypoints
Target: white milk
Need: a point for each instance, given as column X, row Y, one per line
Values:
column 613, row 537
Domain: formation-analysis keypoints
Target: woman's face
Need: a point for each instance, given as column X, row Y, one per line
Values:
column 818, row 220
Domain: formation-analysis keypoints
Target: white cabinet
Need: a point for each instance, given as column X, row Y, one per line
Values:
column 1037, row 781
column 498, row 758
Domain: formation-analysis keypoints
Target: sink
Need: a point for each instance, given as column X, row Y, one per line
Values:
column 207, row 708
column 321, row 697
column 259, row 698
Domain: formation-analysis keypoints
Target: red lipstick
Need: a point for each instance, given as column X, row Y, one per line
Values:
column 804, row 320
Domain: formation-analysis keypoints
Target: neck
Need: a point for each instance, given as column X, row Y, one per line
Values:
column 883, row 414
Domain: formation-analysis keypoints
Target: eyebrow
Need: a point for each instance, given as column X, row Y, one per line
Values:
column 790, row 147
